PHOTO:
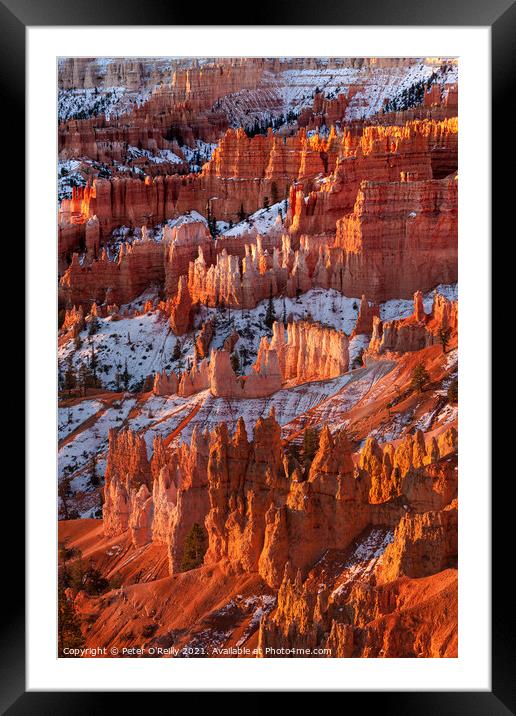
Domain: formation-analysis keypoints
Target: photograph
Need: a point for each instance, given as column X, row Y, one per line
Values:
column 257, row 357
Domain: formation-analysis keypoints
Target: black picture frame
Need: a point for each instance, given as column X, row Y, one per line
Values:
column 15, row 16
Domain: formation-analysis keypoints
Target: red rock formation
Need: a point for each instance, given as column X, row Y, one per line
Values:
column 333, row 498
column 301, row 534
column 418, row 330
column 195, row 379
column 241, row 475
column 294, row 521
column 181, row 309
column 183, row 243
column 424, row 543
column 366, row 313
column 264, row 379
column 192, row 497
column 324, row 111
column 412, row 618
column 165, row 384
column 132, row 73
column 204, row 338
column 344, row 609
column 372, row 213
column 139, row 265
column 242, row 175
column 447, row 441
column 243, row 284
column 310, row 351
column 244, row 172
column 104, row 281
column 159, row 501
column 127, row 470
column 73, row 324
column 401, row 236
column 419, row 470
column 183, row 109
column 380, row 153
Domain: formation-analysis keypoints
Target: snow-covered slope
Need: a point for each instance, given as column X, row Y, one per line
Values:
column 91, row 102
column 146, row 343
column 289, row 91
column 261, row 222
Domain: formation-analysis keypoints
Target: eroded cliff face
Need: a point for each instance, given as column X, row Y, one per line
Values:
column 353, row 552
column 367, row 312
column 401, row 236
column 307, row 352
column 134, row 74
column 407, row 618
column 181, row 108
column 157, row 501
column 358, row 598
column 185, row 99
column 138, row 265
column 245, row 174
column 242, row 176
column 241, row 284
column 128, row 474
column 261, row 513
column 105, row 281
column 418, row 330
column 380, row 153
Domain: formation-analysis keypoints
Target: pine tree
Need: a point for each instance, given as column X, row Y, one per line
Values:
column 270, row 315
column 93, row 582
column 241, row 213
column 118, row 377
column 126, row 376
column 94, row 475
column 94, row 362
column 86, row 378
column 358, row 361
column 137, row 386
column 420, row 378
column 69, row 633
column 453, row 392
column 235, row 363
column 444, row 337
column 195, row 547
column 93, row 326
column 310, row 445
column 64, row 492
column 212, row 223
column 70, row 378
column 293, row 452
column 176, row 353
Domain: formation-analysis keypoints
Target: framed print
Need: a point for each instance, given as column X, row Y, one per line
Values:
column 258, row 421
